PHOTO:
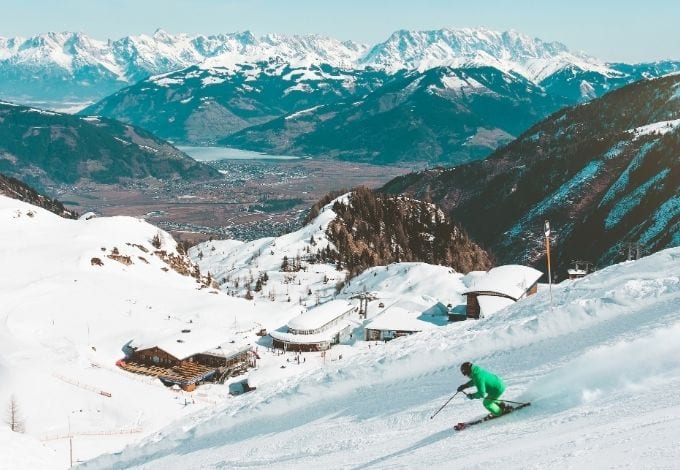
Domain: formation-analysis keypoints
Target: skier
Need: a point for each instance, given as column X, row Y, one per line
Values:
column 489, row 387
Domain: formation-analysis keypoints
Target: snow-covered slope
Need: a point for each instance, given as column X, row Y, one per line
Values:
column 306, row 267
column 238, row 266
column 77, row 67
column 64, row 320
column 601, row 367
column 133, row 57
column 474, row 47
column 73, row 293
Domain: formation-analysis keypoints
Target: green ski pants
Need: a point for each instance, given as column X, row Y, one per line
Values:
column 491, row 405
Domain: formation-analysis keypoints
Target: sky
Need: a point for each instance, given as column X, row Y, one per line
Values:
column 611, row 30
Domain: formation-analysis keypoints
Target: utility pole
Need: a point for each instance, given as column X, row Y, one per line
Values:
column 546, row 229
column 70, row 443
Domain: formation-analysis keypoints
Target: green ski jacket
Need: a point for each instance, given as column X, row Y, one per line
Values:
column 486, row 383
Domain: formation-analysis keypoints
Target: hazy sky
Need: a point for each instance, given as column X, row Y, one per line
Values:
column 608, row 29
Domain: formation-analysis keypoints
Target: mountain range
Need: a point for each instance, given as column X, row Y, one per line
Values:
column 440, row 97
column 605, row 174
column 44, row 148
column 71, row 65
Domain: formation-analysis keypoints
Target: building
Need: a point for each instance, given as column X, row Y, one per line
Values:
column 405, row 319
column 580, row 269
column 500, row 287
column 188, row 357
column 317, row 329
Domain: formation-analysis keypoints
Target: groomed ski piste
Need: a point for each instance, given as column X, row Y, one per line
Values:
column 600, row 364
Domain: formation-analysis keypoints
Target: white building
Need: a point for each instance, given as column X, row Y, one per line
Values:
column 317, row 329
column 404, row 319
column 500, row 287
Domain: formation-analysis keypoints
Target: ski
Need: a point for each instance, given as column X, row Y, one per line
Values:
column 509, row 409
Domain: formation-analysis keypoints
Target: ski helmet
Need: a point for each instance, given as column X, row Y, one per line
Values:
column 466, row 368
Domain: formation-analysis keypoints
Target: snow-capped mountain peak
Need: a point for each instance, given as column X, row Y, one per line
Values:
column 133, row 57
column 508, row 51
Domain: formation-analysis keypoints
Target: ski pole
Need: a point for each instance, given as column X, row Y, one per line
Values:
column 510, row 401
column 442, row 407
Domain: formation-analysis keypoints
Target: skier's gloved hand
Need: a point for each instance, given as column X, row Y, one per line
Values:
column 461, row 388
column 470, row 396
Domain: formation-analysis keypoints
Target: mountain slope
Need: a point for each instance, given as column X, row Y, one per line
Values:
column 442, row 115
column 76, row 67
column 509, row 51
column 594, row 366
column 44, row 147
column 605, row 174
column 440, row 97
column 73, row 293
column 204, row 103
column 12, row 187
column 344, row 236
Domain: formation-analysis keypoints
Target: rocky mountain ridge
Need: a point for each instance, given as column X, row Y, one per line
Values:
column 74, row 66
column 44, row 148
column 605, row 173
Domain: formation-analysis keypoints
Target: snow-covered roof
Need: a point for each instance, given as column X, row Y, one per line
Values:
column 490, row 304
column 319, row 316
column 194, row 341
column 512, row 280
column 400, row 319
column 321, row 337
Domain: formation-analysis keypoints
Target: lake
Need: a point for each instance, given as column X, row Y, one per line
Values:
column 210, row 154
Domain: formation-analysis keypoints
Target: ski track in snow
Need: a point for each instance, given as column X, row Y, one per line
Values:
column 601, row 367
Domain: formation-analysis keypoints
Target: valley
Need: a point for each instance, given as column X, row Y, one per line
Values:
column 258, row 197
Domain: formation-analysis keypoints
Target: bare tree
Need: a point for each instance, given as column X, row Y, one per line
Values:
column 14, row 419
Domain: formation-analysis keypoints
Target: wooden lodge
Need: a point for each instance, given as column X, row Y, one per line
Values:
column 188, row 358
column 500, row 287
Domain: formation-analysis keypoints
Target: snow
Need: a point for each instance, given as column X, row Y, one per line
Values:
column 632, row 200
column 621, row 183
column 402, row 319
column 569, row 190
column 664, row 215
column 26, row 452
column 599, row 368
column 186, row 343
column 127, row 59
column 167, row 81
column 490, row 304
column 319, row 316
column 40, row 111
column 303, row 87
column 507, row 51
column 303, row 112
column 64, row 323
column 212, row 81
column 512, row 280
column 661, row 127
column 598, row 362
